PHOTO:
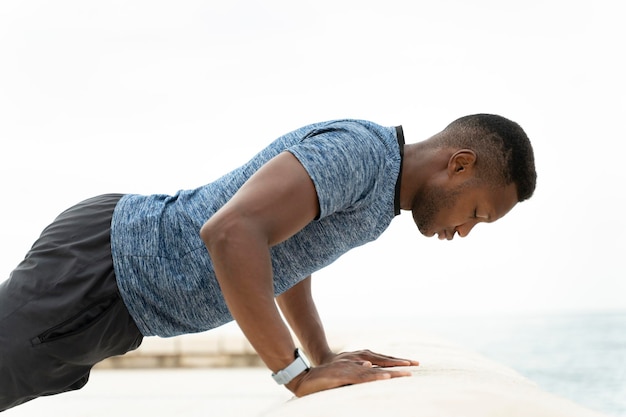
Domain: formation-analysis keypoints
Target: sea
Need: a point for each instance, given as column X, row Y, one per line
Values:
column 576, row 355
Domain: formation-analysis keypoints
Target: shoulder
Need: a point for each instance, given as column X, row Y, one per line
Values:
column 347, row 160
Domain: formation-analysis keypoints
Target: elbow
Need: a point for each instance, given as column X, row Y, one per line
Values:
column 228, row 232
column 212, row 233
column 205, row 232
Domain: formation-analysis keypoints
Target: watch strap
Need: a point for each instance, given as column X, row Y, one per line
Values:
column 295, row 368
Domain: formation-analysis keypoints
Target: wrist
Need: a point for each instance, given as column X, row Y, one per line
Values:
column 298, row 366
column 319, row 354
column 325, row 357
column 294, row 384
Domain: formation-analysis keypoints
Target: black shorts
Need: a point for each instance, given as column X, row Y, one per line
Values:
column 60, row 309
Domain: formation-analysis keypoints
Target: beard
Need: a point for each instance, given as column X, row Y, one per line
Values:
column 429, row 203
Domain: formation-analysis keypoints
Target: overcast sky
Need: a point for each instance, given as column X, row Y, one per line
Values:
column 154, row 96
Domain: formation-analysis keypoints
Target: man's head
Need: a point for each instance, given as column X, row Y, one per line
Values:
column 485, row 166
column 504, row 152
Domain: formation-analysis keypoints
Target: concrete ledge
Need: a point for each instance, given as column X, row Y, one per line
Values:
column 450, row 382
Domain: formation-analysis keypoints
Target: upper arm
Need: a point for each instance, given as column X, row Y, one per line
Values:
column 275, row 203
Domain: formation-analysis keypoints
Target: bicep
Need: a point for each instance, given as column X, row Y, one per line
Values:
column 277, row 201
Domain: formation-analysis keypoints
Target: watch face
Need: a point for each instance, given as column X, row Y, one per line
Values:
column 301, row 354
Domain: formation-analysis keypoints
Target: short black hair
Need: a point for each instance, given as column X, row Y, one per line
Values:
column 504, row 143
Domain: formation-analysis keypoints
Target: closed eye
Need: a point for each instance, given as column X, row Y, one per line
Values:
column 483, row 217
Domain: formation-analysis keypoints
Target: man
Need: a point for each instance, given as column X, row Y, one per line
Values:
column 113, row 269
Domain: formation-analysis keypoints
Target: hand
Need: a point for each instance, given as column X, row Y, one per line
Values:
column 348, row 368
column 375, row 359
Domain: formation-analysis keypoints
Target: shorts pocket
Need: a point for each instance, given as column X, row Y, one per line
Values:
column 100, row 331
column 77, row 323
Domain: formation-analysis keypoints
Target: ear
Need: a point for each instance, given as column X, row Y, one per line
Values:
column 461, row 162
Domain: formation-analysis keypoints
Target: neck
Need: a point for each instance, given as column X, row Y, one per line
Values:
column 421, row 162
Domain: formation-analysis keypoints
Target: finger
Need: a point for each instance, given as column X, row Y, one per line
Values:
column 374, row 374
column 376, row 359
column 393, row 361
column 396, row 374
column 384, row 360
column 399, row 362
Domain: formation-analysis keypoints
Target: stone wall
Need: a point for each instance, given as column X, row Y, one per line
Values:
column 217, row 348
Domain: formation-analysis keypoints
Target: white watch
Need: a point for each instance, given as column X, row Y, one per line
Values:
column 299, row 365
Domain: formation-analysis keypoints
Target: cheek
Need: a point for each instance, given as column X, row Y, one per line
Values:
column 435, row 209
column 429, row 216
column 441, row 217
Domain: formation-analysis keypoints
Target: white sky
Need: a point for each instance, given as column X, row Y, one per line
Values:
column 153, row 96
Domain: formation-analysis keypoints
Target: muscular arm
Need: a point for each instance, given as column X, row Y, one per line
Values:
column 274, row 204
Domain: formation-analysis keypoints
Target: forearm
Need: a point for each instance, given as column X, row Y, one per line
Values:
column 301, row 313
column 244, row 272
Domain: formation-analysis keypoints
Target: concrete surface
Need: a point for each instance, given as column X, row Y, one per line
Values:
column 450, row 382
column 224, row 392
